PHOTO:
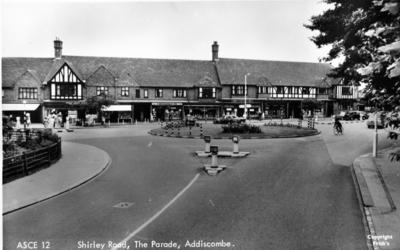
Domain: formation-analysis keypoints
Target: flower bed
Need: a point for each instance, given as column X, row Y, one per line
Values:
column 25, row 152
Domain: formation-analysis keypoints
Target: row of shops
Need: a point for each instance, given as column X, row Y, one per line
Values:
column 164, row 111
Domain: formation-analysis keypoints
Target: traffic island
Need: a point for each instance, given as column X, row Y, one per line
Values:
column 235, row 153
column 223, row 154
column 214, row 168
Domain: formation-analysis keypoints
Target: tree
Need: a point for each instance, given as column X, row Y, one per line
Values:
column 367, row 35
column 95, row 104
column 311, row 105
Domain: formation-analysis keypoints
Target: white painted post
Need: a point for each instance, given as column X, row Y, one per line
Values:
column 375, row 141
column 214, row 161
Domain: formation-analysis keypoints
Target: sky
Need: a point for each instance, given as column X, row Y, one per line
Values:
column 261, row 30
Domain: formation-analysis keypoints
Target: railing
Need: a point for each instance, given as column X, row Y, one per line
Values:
column 23, row 164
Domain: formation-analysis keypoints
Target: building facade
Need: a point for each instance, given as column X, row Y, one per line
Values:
column 153, row 89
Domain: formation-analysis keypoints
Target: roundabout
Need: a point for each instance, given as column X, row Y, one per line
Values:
column 275, row 130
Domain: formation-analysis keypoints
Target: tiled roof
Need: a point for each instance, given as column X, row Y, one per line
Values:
column 278, row 73
column 173, row 73
column 148, row 72
column 13, row 68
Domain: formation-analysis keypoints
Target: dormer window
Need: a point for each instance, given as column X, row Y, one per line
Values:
column 207, row 92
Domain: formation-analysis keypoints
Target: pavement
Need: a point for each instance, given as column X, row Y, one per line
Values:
column 79, row 164
column 377, row 178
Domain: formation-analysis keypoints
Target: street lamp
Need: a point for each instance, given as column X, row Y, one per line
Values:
column 24, row 102
column 245, row 93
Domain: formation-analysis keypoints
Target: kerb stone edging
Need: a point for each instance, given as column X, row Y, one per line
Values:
column 228, row 138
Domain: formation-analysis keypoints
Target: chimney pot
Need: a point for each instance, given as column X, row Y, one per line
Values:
column 58, row 48
column 215, row 48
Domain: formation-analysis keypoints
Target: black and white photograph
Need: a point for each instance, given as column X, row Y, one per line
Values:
column 240, row 125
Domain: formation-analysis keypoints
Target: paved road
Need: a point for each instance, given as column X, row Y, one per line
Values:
column 288, row 194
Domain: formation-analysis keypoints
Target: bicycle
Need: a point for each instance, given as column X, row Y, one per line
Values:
column 337, row 130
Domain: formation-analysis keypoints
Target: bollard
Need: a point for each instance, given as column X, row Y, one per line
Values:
column 179, row 130
column 235, row 140
column 300, row 123
column 161, row 124
column 123, row 122
column 281, row 119
column 172, row 130
column 201, row 129
column 190, row 130
column 166, row 128
column 214, row 156
column 109, row 123
column 135, row 122
column 207, row 140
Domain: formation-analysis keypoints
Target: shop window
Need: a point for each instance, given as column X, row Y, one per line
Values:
column 207, row 92
column 159, row 93
column 146, row 93
column 179, row 93
column 28, row 93
column 262, row 90
column 238, row 90
column 138, row 93
column 102, row 90
column 125, row 91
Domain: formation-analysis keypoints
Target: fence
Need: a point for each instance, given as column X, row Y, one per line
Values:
column 23, row 164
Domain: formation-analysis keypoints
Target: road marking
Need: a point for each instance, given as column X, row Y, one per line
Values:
column 212, row 203
column 149, row 144
column 156, row 215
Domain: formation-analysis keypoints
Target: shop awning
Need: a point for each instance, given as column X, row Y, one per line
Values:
column 118, row 108
column 20, row 107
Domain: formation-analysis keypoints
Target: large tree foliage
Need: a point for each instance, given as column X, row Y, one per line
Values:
column 367, row 34
column 359, row 31
column 95, row 103
column 311, row 105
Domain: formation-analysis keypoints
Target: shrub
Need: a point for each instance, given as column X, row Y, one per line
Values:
column 49, row 136
column 241, row 128
column 9, row 148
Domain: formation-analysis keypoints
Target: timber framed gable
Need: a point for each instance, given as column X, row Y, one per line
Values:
column 65, row 84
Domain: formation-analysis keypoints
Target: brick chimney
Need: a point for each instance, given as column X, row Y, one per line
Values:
column 215, row 47
column 58, row 48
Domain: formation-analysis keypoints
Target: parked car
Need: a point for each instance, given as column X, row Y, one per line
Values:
column 371, row 120
column 230, row 119
column 351, row 115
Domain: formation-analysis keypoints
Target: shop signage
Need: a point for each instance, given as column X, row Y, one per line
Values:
column 166, row 103
column 247, row 105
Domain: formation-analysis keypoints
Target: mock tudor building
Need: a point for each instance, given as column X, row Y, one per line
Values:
column 157, row 88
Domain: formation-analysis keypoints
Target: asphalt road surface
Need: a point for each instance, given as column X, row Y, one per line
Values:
column 288, row 194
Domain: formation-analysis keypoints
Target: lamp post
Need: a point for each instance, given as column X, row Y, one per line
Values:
column 375, row 139
column 245, row 94
column 24, row 102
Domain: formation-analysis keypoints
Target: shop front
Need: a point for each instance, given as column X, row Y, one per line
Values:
column 19, row 110
column 117, row 113
column 202, row 112
column 237, row 108
column 167, row 111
